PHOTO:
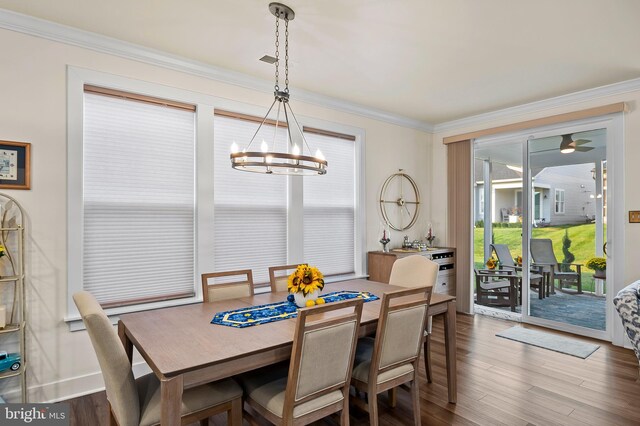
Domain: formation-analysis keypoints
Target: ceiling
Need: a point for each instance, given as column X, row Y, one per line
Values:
column 545, row 152
column 429, row 60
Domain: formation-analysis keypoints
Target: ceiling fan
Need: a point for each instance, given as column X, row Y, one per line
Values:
column 568, row 145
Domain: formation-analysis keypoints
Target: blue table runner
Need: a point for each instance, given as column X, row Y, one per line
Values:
column 262, row 314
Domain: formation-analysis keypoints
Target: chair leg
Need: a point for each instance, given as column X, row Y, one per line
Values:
column 234, row 416
column 393, row 397
column 205, row 422
column 344, row 415
column 427, row 357
column 373, row 406
column 415, row 397
column 112, row 418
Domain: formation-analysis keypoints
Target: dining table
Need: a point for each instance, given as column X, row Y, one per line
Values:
column 183, row 348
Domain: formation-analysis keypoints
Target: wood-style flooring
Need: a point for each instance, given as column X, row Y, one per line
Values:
column 500, row 382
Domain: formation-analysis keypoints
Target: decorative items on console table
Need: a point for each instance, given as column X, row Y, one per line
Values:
column 430, row 237
column 384, row 241
column 12, row 298
column 305, row 284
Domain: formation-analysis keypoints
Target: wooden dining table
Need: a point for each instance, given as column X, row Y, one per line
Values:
column 183, row 348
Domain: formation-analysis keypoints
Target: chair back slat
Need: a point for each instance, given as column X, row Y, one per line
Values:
column 279, row 275
column 323, row 351
column 119, row 382
column 504, row 255
column 542, row 251
column 236, row 284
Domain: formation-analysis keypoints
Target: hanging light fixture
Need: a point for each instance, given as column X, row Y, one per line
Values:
column 567, row 146
column 296, row 156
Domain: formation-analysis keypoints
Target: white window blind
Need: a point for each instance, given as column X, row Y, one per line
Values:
column 250, row 209
column 138, row 201
column 329, row 207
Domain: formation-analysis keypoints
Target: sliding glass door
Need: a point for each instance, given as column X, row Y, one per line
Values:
column 540, row 228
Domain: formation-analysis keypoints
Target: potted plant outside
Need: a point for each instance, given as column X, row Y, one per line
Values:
column 599, row 266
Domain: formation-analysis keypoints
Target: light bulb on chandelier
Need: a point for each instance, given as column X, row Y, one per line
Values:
column 291, row 160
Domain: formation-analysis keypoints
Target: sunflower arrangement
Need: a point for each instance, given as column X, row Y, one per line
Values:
column 492, row 262
column 305, row 279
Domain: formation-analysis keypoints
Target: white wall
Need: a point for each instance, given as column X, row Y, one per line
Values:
column 33, row 87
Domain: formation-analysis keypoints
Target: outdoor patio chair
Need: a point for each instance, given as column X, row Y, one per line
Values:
column 505, row 258
column 497, row 288
column 504, row 214
column 544, row 257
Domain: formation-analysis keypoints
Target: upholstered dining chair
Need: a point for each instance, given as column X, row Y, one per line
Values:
column 316, row 383
column 278, row 276
column 234, row 284
column 544, row 257
column 137, row 401
column 417, row 271
column 391, row 359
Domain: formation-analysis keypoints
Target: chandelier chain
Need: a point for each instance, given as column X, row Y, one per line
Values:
column 286, row 55
column 277, row 87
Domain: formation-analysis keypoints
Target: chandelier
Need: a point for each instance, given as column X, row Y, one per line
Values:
column 295, row 157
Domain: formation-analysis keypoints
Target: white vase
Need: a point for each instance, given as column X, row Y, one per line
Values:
column 301, row 300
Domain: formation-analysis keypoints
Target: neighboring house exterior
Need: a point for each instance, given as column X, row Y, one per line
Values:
column 562, row 195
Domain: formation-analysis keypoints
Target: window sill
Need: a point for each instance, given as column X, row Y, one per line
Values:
column 75, row 321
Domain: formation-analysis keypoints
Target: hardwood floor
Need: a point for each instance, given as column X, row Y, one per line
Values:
column 500, row 382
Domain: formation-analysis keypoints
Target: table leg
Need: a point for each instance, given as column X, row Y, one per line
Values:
column 128, row 344
column 171, row 400
column 450, row 348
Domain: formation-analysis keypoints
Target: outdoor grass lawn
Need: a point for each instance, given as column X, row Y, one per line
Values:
column 582, row 238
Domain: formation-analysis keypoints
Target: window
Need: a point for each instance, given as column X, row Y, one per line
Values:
column 137, row 199
column 250, row 209
column 153, row 201
column 262, row 221
column 559, row 201
column 329, row 207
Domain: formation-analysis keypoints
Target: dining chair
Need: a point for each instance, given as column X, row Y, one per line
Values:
column 417, row 271
column 278, row 276
column 316, row 384
column 137, row 401
column 233, row 284
column 536, row 279
column 543, row 255
column 391, row 359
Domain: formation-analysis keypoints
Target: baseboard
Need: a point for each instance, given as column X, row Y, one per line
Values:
column 74, row 387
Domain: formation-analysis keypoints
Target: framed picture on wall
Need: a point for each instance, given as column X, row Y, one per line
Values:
column 15, row 165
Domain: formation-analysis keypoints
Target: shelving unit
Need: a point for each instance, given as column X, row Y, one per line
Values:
column 12, row 292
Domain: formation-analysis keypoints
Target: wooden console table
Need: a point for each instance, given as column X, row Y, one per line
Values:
column 380, row 264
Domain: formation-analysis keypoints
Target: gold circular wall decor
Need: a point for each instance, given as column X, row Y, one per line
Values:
column 400, row 201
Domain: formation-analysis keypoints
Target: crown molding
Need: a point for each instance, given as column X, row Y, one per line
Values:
column 72, row 36
column 532, row 107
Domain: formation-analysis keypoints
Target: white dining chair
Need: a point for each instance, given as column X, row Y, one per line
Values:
column 417, row 271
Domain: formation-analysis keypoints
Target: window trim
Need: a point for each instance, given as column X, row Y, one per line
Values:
column 561, row 202
column 206, row 105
